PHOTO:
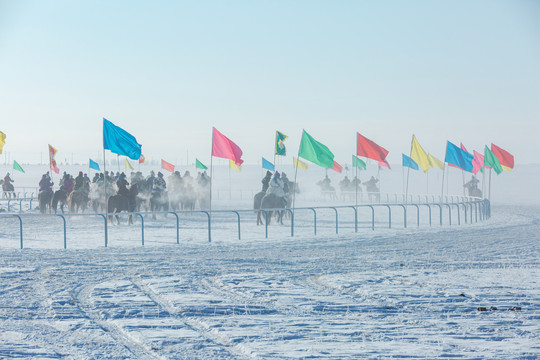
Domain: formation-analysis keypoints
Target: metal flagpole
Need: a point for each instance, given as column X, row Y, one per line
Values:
column 296, row 173
column 105, row 185
column 275, row 151
column 444, row 170
column 211, row 180
column 489, row 195
column 408, row 171
column 355, row 183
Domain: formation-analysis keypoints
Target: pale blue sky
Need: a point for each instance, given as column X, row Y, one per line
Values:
column 464, row 71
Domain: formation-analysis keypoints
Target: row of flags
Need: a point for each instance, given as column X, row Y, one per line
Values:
column 121, row 142
column 16, row 165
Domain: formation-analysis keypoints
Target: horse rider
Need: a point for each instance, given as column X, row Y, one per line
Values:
column 355, row 183
column 345, row 184
column 266, row 181
column 187, row 179
column 149, row 182
column 7, row 182
column 371, row 184
column 122, row 184
column 325, row 183
column 204, row 180
column 45, row 184
column 286, row 183
column 79, row 181
column 67, row 184
column 159, row 183
column 276, row 186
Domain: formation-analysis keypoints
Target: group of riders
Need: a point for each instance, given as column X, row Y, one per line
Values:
column 109, row 184
column 348, row 188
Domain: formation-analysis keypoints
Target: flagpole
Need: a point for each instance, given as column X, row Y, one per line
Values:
column 275, row 144
column 443, row 172
column 296, row 173
column 105, row 185
column 355, row 185
column 211, row 180
column 489, row 195
column 408, row 172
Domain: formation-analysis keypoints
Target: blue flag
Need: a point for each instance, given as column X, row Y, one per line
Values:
column 267, row 165
column 119, row 141
column 408, row 162
column 94, row 165
column 457, row 156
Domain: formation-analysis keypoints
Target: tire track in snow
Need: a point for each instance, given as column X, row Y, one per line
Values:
column 197, row 325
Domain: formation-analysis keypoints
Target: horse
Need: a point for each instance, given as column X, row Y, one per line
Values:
column 78, row 199
column 372, row 189
column 59, row 197
column 473, row 189
column 188, row 198
column 119, row 202
column 97, row 197
column 8, row 190
column 257, row 202
column 159, row 201
column 44, row 200
column 272, row 201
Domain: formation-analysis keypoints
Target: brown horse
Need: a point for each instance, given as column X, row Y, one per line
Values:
column 59, row 197
column 45, row 199
column 119, row 202
column 77, row 199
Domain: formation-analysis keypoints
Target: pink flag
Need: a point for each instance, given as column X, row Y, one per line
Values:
column 167, row 166
column 224, row 148
column 384, row 164
column 338, row 168
column 477, row 162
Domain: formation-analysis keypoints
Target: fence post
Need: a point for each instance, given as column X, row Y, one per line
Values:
column 449, row 214
column 142, row 228
column 65, row 237
column 372, row 217
column 104, row 227
column 314, row 221
column 20, row 228
column 440, row 212
column 417, row 214
column 238, row 216
column 337, row 220
column 177, row 226
column 389, row 216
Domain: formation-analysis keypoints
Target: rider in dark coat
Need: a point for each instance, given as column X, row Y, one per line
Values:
column 45, row 184
column 266, row 181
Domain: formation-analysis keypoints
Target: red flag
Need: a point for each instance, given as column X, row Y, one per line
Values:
column 142, row 159
column 367, row 148
column 505, row 158
column 338, row 168
column 167, row 166
column 52, row 161
column 224, row 148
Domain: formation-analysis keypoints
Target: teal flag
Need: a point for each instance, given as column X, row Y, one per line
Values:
column 316, row 152
column 119, row 141
column 356, row 162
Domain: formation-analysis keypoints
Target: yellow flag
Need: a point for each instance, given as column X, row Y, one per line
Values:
column 299, row 164
column 435, row 163
column 128, row 165
column 419, row 155
column 235, row 167
column 2, row 141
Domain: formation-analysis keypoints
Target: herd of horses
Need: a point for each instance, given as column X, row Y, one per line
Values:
column 135, row 200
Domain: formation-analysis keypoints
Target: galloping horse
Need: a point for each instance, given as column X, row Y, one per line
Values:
column 159, row 201
column 78, row 199
column 44, row 199
column 119, row 202
column 269, row 201
column 59, row 197
column 372, row 189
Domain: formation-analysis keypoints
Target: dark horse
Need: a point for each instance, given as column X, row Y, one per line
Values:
column 44, row 199
column 272, row 201
column 119, row 202
column 257, row 201
column 59, row 197
column 159, row 201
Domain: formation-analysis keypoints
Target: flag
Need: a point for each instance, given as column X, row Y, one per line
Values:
column 435, row 163
column 52, row 161
column 419, row 155
column 408, row 162
column 492, row 161
column 128, row 165
column 299, row 164
column 17, row 167
column 314, row 151
column 280, row 146
column 458, row 157
column 142, row 159
column 337, row 168
column 505, row 158
column 120, row 141
column 267, row 165
column 2, row 141
column 356, row 162
column 370, row 150
column 235, row 167
column 167, row 166
column 93, row 165
column 224, row 148
column 384, row 164
column 477, row 162
column 199, row 165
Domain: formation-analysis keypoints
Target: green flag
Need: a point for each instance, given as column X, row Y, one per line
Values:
column 314, row 151
column 199, row 165
column 280, row 146
column 356, row 162
column 17, row 167
column 492, row 161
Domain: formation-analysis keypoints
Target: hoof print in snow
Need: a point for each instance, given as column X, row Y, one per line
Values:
column 462, row 294
column 493, row 308
column 481, row 308
column 515, row 308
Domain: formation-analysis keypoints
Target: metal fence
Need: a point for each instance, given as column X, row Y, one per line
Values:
column 468, row 211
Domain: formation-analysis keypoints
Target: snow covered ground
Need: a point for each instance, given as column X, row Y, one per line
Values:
column 465, row 292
